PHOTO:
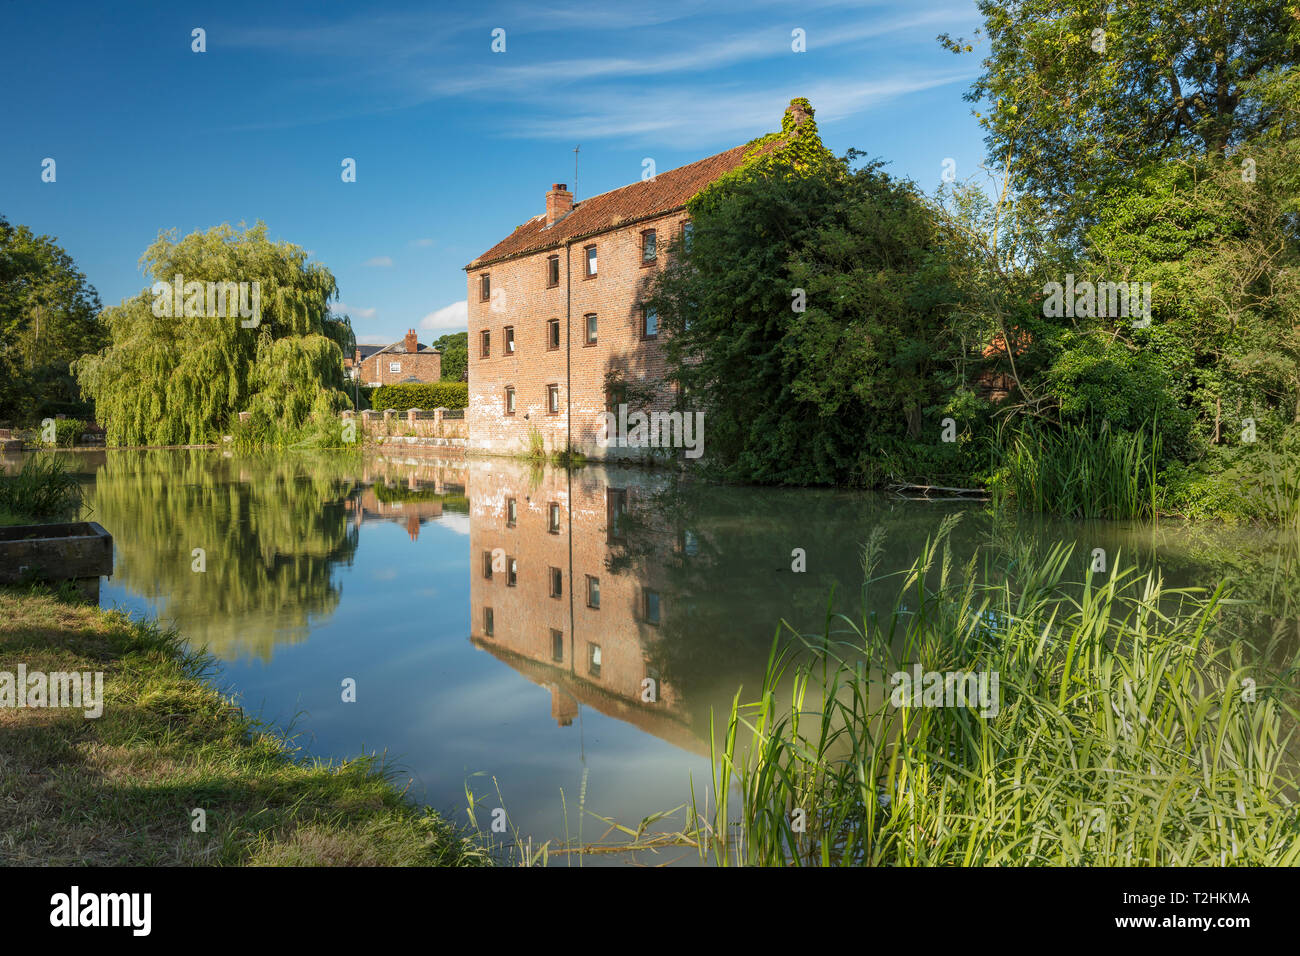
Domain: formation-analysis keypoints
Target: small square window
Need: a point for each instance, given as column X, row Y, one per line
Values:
column 650, row 605
column 648, row 247
column 485, row 344
column 487, row 621
column 591, row 262
column 395, row 367
column 557, row 645
column 512, row 572
column 553, row 399
column 553, row 517
column 557, row 583
column 649, row 323
column 484, row 287
column 593, row 592
column 510, row 340
column 615, row 396
column 553, row 271
column 593, row 659
column 591, row 329
column 510, row 400
column 487, row 565
column 512, row 512
column 553, row 335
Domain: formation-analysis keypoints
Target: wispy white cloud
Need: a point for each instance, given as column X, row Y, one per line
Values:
column 382, row 262
column 377, row 37
column 706, row 53
column 450, row 318
column 694, row 116
column 532, row 17
column 341, row 308
column 422, row 243
column 410, row 73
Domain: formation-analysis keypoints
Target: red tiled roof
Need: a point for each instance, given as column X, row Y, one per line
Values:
column 667, row 192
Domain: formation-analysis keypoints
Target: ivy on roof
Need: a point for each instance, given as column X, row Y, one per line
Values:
column 796, row 148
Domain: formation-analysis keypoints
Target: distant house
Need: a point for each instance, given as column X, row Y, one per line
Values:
column 404, row 361
column 362, row 352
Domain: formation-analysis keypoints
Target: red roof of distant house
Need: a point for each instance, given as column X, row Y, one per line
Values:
column 667, row 192
column 1019, row 338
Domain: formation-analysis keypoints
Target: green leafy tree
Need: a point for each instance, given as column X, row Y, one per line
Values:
column 808, row 319
column 1075, row 95
column 1224, row 266
column 183, row 378
column 48, row 318
column 1151, row 142
column 1217, row 239
column 455, row 356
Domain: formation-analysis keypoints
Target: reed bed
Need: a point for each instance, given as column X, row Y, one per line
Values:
column 1281, row 491
column 1079, row 471
column 42, row 488
column 1131, row 730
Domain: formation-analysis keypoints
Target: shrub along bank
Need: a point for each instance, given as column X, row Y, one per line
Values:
column 427, row 396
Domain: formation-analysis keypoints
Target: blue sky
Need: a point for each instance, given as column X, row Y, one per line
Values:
column 455, row 145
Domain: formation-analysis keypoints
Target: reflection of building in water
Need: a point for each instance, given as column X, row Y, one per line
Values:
column 554, row 594
column 368, row 506
column 407, row 492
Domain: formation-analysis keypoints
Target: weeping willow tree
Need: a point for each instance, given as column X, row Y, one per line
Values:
column 178, row 369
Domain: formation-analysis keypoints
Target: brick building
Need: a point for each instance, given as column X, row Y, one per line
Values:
column 404, row 361
column 556, row 313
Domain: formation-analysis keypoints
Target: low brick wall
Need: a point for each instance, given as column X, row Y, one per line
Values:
column 413, row 424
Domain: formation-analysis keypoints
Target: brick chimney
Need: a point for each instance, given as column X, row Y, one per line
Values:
column 411, row 344
column 559, row 201
column 563, row 707
column 798, row 112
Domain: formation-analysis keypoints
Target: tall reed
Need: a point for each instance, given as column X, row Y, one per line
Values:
column 1130, row 731
column 1281, row 491
column 1078, row 471
column 43, row 488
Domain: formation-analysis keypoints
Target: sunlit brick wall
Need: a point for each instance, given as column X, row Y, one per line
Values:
column 521, row 298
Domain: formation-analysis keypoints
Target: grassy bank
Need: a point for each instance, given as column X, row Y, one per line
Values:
column 120, row 789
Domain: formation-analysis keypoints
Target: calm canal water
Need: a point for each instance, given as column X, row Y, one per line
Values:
column 505, row 625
